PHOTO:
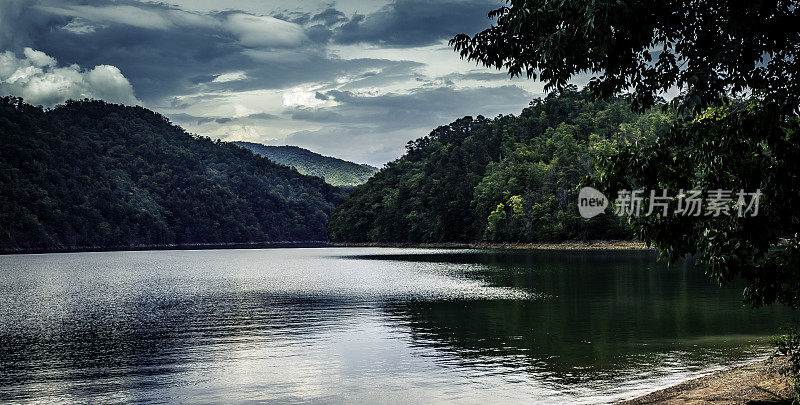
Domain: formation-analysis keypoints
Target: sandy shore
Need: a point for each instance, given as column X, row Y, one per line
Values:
column 569, row 245
column 759, row 382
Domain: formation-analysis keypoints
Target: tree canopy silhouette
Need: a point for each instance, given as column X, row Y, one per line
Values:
column 710, row 49
column 735, row 67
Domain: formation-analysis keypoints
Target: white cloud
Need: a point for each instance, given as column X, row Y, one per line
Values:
column 265, row 31
column 37, row 78
column 251, row 30
column 39, row 58
column 240, row 110
column 301, row 97
column 229, row 77
column 79, row 26
column 129, row 15
column 107, row 82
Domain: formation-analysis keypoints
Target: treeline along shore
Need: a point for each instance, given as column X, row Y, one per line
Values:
column 90, row 175
column 565, row 245
column 173, row 246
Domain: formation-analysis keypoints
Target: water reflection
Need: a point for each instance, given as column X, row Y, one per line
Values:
column 605, row 319
column 328, row 325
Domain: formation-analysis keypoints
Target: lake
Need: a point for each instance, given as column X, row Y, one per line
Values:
column 333, row 325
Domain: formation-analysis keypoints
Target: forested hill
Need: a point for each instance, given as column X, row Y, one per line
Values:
column 335, row 171
column 508, row 179
column 92, row 174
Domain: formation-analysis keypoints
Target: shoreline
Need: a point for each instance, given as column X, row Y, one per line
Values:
column 567, row 245
column 169, row 246
column 756, row 382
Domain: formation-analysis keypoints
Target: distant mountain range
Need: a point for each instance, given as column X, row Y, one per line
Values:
column 335, row 171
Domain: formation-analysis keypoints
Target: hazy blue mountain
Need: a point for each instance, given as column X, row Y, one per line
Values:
column 335, row 171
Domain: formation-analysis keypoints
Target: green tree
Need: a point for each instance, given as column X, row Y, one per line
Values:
column 93, row 174
column 512, row 178
column 735, row 64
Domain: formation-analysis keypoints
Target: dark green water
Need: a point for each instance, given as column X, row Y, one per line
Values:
column 363, row 325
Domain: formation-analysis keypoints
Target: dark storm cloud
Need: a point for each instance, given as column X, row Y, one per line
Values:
column 387, row 75
column 158, row 56
column 479, row 76
column 194, row 119
column 20, row 24
column 296, row 17
column 262, row 116
column 183, row 118
column 406, row 23
column 317, row 69
column 329, row 17
column 201, row 62
column 319, row 33
column 165, row 51
column 427, row 107
column 157, row 62
column 316, row 115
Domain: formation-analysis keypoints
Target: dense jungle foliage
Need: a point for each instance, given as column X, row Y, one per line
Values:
column 89, row 173
column 509, row 179
column 334, row 171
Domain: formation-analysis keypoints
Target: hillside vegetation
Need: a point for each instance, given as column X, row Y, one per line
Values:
column 94, row 174
column 335, row 171
column 508, row 179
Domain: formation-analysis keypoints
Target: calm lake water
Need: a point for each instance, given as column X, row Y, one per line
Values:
column 333, row 325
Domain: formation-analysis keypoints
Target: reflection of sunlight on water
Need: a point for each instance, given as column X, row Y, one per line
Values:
column 385, row 280
column 367, row 359
column 373, row 361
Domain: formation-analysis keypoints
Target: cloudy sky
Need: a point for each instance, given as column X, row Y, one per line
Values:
column 352, row 79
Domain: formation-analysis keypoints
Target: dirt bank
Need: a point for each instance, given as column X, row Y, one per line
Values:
column 759, row 382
